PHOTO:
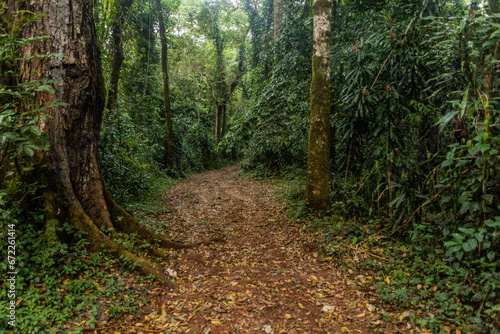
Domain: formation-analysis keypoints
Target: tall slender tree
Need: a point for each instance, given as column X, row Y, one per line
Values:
column 318, row 173
column 166, row 87
column 122, row 7
column 279, row 9
column 221, row 88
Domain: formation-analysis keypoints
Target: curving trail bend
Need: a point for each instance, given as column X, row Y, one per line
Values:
column 266, row 276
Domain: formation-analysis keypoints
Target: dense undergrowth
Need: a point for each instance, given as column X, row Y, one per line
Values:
column 417, row 279
column 71, row 288
column 415, row 152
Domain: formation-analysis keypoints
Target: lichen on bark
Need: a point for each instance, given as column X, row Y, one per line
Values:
column 318, row 175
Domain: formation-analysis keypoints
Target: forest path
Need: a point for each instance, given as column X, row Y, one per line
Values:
column 266, row 277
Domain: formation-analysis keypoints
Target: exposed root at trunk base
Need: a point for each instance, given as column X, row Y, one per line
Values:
column 98, row 240
column 126, row 223
column 151, row 250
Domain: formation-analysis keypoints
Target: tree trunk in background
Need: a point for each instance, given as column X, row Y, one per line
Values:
column 218, row 121
column 224, row 119
column 75, row 191
column 279, row 9
column 318, row 173
column 222, row 91
column 122, row 7
column 166, row 89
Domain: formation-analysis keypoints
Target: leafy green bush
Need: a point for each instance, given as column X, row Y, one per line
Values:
column 129, row 156
column 68, row 283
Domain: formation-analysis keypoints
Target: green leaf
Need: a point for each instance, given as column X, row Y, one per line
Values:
column 462, row 26
column 464, row 196
column 45, row 88
column 454, row 249
column 470, row 245
column 479, row 237
column 458, row 236
column 489, row 43
column 446, row 119
column 35, row 130
column 467, row 231
column 491, row 255
column 491, row 223
column 488, row 198
column 29, row 151
column 451, row 243
column 464, row 101
column 446, row 163
column 484, row 147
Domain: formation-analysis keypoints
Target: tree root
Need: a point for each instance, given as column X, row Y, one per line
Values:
column 121, row 221
column 126, row 223
column 151, row 250
column 98, row 241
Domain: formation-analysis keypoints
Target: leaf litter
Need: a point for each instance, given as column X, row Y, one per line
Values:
column 264, row 275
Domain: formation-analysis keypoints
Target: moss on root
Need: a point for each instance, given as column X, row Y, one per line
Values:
column 126, row 223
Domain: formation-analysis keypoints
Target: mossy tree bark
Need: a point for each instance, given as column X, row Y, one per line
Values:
column 279, row 9
column 122, row 7
column 76, row 192
column 318, row 173
column 169, row 156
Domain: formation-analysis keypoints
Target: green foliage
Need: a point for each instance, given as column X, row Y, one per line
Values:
column 415, row 156
column 20, row 115
column 195, row 145
column 132, row 149
column 131, row 155
column 68, row 284
column 272, row 132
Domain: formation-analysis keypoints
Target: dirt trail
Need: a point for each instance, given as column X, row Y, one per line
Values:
column 265, row 277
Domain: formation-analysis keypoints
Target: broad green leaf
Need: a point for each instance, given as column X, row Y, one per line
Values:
column 464, row 101
column 470, row 245
column 467, row 231
column 29, row 151
column 488, row 198
column 446, row 119
column 45, row 88
column 491, row 223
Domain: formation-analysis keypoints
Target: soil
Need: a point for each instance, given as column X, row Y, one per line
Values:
column 263, row 274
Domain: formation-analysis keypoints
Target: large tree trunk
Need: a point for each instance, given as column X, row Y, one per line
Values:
column 116, row 64
column 75, row 191
column 279, row 9
column 166, row 88
column 318, row 174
